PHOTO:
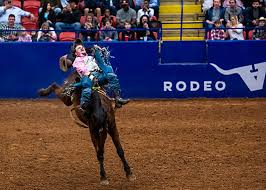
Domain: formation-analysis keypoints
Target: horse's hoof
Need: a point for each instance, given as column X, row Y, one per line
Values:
column 131, row 177
column 104, row 182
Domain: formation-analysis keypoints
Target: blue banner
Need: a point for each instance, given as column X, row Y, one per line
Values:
column 201, row 69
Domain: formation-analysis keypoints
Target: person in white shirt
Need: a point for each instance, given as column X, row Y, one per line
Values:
column 236, row 29
column 146, row 10
column 8, row 9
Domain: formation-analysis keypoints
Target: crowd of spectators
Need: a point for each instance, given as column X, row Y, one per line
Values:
column 125, row 20
column 235, row 19
column 90, row 20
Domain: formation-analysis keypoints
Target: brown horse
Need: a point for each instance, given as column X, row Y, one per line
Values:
column 100, row 121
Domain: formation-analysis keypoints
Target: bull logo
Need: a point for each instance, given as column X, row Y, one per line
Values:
column 252, row 75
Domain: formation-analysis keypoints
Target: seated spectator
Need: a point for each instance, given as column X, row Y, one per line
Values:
column 152, row 4
column 108, row 16
column 47, row 15
column 260, row 30
column 253, row 13
column 125, row 14
column 46, row 33
column 24, row 36
column 236, row 29
column 81, row 5
column 218, row 32
column 62, row 4
column 91, row 27
column 8, row 9
column 9, row 31
column 144, row 32
column 108, row 33
column 69, row 18
column 127, row 34
column 146, row 10
column 216, row 12
column 247, row 3
column 57, row 5
column 92, row 6
column 155, row 6
column 233, row 10
column 239, row 3
column 111, row 5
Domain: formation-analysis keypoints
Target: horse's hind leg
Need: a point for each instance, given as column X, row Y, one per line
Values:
column 116, row 140
column 98, row 140
column 58, row 91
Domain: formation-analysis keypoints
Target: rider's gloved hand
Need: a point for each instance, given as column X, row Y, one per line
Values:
column 97, row 47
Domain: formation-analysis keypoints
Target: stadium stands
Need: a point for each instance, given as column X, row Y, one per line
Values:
column 17, row 3
column 189, row 26
column 32, row 6
column 67, row 36
column 170, row 16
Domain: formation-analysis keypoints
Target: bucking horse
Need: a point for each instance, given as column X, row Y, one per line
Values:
column 100, row 121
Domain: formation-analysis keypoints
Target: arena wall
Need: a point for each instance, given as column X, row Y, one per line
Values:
column 215, row 69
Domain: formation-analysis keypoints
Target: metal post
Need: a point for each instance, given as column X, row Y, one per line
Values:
column 181, row 19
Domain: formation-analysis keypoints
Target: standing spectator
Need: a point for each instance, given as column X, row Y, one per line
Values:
column 125, row 14
column 127, row 34
column 46, row 33
column 260, row 32
column 233, row 10
column 47, row 15
column 216, row 12
column 69, row 18
column 90, row 26
column 218, row 32
column 253, row 13
column 146, row 10
column 8, row 9
column 9, row 31
column 108, row 32
column 24, row 36
column 236, row 29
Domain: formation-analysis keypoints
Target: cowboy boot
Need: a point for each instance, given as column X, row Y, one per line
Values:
column 120, row 101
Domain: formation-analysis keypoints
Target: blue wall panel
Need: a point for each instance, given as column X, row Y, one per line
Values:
column 26, row 67
column 183, row 52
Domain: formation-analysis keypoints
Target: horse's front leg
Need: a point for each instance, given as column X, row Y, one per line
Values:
column 116, row 140
column 98, row 138
column 58, row 92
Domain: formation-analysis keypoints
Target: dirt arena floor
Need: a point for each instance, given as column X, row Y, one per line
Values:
column 178, row 144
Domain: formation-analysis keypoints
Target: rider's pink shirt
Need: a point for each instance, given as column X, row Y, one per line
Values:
column 85, row 65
